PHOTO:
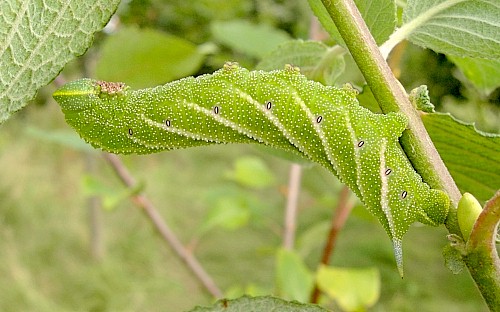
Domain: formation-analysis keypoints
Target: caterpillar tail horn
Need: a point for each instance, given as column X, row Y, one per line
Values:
column 397, row 245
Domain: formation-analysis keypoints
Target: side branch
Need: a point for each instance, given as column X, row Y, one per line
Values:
column 481, row 254
column 338, row 221
column 166, row 233
column 291, row 206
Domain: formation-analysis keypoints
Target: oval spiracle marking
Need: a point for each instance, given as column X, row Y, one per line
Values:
column 404, row 194
column 269, row 105
column 167, row 123
column 130, row 132
column 388, row 171
column 216, row 110
column 319, row 119
column 361, row 143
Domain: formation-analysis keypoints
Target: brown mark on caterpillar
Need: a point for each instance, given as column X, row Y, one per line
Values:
column 111, row 87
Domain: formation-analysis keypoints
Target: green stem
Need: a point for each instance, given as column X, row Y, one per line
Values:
column 481, row 255
column 415, row 141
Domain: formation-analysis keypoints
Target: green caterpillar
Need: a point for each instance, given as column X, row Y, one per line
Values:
column 281, row 109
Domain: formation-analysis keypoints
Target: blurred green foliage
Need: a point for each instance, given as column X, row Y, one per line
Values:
column 146, row 58
column 46, row 263
column 193, row 20
column 353, row 289
column 224, row 204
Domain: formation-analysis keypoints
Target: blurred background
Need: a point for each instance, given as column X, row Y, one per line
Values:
column 71, row 238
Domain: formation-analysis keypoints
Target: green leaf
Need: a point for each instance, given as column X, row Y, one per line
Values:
column 251, row 289
column 484, row 74
column 37, row 38
column 352, row 289
column 304, row 54
column 111, row 197
column 293, row 279
column 229, row 212
column 230, row 208
column 253, row 39
column 316, row 60
column 471, row 156
column 251, row 172
column 259, row 304
column 420, row 99
column 453, row 259
column 307, row 240
column 146, row 57
column 367, row 99
column 62, row 137
column 455, row 27
column 379, row 16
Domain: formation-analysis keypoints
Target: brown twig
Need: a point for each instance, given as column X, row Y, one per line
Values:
column 339, row 218
column 94, row 214
column 166, row 233
column 291, row 206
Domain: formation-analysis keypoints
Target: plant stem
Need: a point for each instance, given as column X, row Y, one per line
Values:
column 94, row 214
column 481, row 255
column 166, row 233
column 291, row 206
column 339, row 218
